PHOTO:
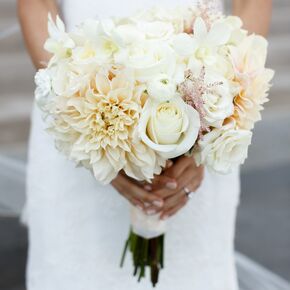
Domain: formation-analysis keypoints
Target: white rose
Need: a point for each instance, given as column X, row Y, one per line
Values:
column 161, row 88
column 218, row 102
column 223, row 149
column 148, row 58
column 156, row 29
column 130, row 33
column 170, row 128
column 176, row 16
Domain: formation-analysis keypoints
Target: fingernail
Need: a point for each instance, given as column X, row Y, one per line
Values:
column 151, row 212
column 148, row 187
column 158, row 203
column 165, row 217
column 139, row 207
column 169, row 163
column 171, row 185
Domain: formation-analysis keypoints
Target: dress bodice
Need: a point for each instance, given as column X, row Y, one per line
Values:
column 74, row 11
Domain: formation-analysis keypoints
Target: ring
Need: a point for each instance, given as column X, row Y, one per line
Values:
column 188, row 192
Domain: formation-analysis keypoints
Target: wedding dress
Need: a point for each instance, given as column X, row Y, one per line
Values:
column 77, row 227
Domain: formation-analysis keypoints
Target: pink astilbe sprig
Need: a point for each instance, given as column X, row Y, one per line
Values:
column 192, row 90
column 209, row 12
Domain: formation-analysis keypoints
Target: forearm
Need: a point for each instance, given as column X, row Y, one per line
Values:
column 256, row 14
column 33, row 19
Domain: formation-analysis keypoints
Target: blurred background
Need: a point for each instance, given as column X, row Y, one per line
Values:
column 263, row 226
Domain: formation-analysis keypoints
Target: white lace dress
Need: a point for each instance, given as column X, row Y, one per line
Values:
column 77, row 228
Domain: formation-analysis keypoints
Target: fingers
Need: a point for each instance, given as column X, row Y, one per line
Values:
column 191, row 176
column 161, row 181
column 173, row 210
column 177, row 201
column 177, row 169
column 188, row 175
column 136, row 194
column 168, row 180
column 174, row 204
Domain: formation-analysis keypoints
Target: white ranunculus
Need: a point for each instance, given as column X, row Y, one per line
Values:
column 161, row 88
column 223, row 149
column 218, row 102
column 170, row 128
column 43, row 89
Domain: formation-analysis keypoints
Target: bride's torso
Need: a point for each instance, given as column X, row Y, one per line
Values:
column 75, row 11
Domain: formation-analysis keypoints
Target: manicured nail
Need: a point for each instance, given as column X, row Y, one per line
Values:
column 165, row 217
column 139, row 207
column 151, row 212
column 147, row 204
column 158, row 203
column 148, row 187
column 171, row 185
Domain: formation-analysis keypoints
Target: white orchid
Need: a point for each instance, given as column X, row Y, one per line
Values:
column 59, row 42
column 202, row 47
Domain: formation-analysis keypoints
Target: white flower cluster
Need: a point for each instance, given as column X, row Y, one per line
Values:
column 112, row 96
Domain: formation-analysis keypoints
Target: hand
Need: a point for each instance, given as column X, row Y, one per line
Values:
column 136, row 195
column 171, row 183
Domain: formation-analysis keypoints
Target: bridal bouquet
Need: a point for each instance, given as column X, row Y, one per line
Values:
column 128, row 94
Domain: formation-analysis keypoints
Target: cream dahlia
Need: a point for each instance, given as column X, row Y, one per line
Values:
column 96, row 127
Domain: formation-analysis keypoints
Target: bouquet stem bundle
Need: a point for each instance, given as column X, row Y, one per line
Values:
column 145, row 253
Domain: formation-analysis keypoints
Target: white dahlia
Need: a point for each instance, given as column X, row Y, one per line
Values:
column 96, row 127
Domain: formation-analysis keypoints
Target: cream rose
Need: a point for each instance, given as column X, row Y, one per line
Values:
column 223, row 149
column 170, row 128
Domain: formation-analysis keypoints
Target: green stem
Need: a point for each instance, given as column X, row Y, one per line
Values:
column 145, row 253
column 124, row 252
